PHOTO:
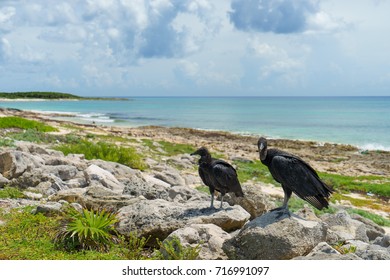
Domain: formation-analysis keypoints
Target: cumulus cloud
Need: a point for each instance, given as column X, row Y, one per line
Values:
column 5, row 49
column 278, row 16
column 125, row 30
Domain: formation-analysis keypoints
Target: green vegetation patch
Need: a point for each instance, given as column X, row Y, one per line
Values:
column 104, row 151
column 10, row 192
column 28, row 236
column 364, row 184
column 254, row 170
column 88, row 230
column 371, row 216
column 22, row 123
column 170, row 149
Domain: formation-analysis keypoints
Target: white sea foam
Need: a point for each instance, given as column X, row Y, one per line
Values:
column 374, row 147
column 95, row 117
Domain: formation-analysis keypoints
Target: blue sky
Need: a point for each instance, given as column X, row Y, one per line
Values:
column 196, row 47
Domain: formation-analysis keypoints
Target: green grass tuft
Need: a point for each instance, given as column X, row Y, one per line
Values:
column 365, row 184
column 105, row 151
column 22, row 123
column 254, row 171
column 10, row 192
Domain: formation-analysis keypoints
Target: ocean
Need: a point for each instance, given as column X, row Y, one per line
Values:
column 359, row 121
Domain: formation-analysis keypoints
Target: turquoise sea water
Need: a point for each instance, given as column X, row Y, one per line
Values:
column 360, row 121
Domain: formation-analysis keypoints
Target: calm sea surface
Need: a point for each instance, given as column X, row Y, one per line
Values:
column 360, row 121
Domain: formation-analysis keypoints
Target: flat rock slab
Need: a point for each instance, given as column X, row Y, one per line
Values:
column 158, row 218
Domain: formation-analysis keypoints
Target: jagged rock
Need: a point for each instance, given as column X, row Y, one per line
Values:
column 372, row 229
column 344, row 227
column 49, row 208
column 272, row 237
column 14, row 163
column 182, row 161
column 103, row 177
column 3, row 181
column 323, row 251
column 75, row 160
column 32, row 148
column 375, row 252
column 209, row 237
column 95, row 197
column 255, row 202
column 32, row 195
column 307, row 213
column 169, row 175
column 183, row 193
column 118, row 170
column 64, row 172
column 151, row 189
column 158, row 218
column 383, row 241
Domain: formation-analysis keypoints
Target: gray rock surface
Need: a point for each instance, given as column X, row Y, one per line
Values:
column 209, row 237
column 158, row 218
column 275, row 238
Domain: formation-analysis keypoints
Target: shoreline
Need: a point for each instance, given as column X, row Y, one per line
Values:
column 73, row 117
column 324, row 157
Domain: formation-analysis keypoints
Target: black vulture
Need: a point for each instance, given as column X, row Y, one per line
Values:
column 294, row 175
column 218, row 175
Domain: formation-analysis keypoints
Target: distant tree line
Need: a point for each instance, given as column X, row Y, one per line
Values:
column 51, row 95
column 39, row 95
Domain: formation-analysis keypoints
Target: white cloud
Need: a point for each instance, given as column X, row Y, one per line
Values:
column 5, row 49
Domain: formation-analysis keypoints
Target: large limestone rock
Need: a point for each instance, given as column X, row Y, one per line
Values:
column 147, row 186
column 255, row 202
column 275, row 238
column 158, row 218
column 209, row 237
column 96, row 174
column 14, row 163
column 342, row 227
column 95, row 197
column 169, row 175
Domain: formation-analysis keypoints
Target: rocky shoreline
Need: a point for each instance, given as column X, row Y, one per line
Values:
column 162, row 201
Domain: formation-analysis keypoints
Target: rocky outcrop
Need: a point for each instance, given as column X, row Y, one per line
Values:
column 271, row 237
column 162, row 203
column 208, row 237
column 158, row 218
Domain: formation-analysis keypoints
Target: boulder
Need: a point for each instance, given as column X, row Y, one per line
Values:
column 255, row 202
column 372, row 229
column 343, row 227
column 49, row 208
column 383, row 241
column 158, row 218
column 3, row 181
column 120, row 171
column 101, row 176
column 275, row 237
column 169, row 175
column 209, row 237
column 149, row 187
column 375, row 252
column 323, row 251
column 183, row 193
column 14, row 163
column 94, row 197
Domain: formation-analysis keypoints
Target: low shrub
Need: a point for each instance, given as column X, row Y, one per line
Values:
column 105, row 151
column 22, row 123
column 88, row 230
